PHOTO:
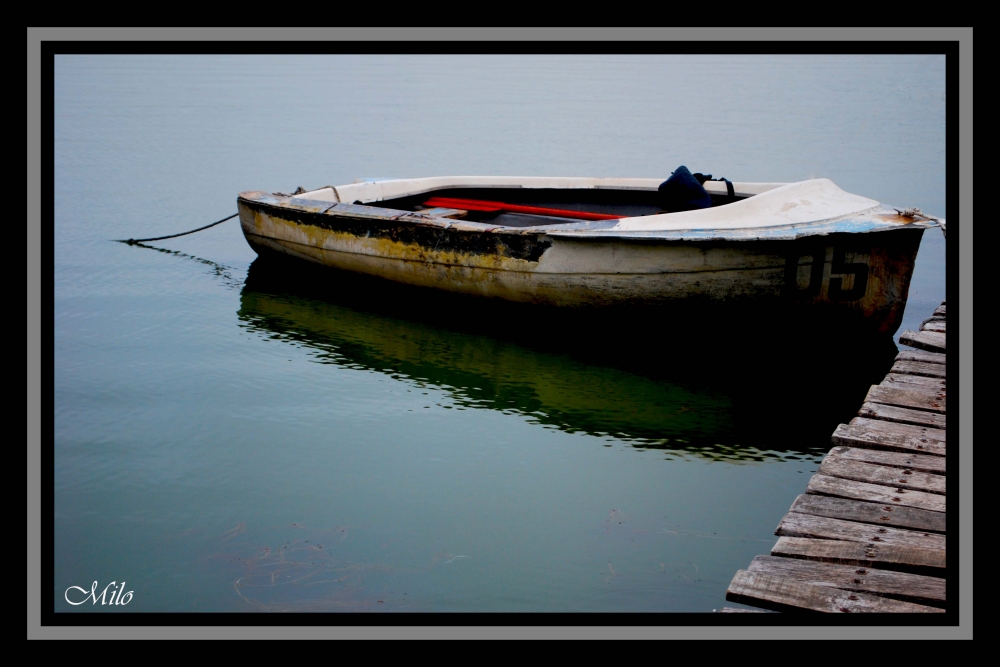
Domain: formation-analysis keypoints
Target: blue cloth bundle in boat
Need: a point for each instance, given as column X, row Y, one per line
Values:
column 683, row 192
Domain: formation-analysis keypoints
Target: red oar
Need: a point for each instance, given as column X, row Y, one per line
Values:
column 481, row 205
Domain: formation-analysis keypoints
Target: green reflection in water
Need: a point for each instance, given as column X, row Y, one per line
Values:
column 483, row 372
column 687, row 399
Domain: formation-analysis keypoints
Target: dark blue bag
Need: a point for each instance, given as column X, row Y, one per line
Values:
column 683, row 192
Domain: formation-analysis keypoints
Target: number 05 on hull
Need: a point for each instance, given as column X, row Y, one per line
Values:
column 608, row 243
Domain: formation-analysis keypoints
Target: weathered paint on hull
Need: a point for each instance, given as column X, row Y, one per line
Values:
column 863, row 277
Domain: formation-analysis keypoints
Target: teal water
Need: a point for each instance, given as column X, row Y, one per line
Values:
column 230, row 437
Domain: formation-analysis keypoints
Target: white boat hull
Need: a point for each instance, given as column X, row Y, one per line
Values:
column 861, row 276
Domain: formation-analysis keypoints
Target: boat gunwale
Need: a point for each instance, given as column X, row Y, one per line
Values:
column 373, row 190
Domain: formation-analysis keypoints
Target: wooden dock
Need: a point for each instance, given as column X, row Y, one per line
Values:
column 868, row 535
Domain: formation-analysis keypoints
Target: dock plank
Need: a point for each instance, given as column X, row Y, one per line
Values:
column 881, row 435
column 925, row 388
column 903, row 559
column 872, row 522
column 925, row 368
column 932, row 341
column 737, row 610
column 921, row 356
column 928, row 433
column 897, row 585
column 826, row 485
column 922, row 462
column 915, row 381
column 867, row 512
column 837, row 466
column 908, row 397
column 784, row 593
column 795, row 524
column 894, row 413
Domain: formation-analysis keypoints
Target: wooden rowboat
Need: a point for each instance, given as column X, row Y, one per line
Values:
column 592, row 242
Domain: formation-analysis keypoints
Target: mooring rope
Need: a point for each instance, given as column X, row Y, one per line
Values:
column 171, row 236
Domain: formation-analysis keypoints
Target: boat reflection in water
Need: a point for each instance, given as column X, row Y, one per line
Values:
column 722, row 387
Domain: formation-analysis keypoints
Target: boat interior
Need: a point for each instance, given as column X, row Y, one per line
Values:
column 539, row 201
column 684, row 201
column 536, row 207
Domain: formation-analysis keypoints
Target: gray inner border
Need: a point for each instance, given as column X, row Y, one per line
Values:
column 37, row 35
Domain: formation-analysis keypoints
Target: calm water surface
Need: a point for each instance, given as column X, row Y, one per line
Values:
column 233, row 436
